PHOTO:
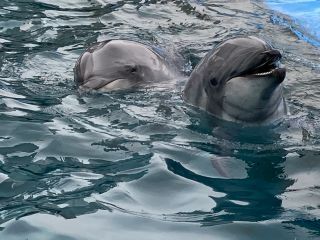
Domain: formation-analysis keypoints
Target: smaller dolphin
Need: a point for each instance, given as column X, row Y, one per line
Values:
column 241, row 81
column 120, row 64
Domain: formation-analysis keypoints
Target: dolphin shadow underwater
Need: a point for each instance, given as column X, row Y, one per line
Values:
column 240, row 80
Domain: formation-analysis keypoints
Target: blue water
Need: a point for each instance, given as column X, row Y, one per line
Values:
column 305, row 17
column 143, row 164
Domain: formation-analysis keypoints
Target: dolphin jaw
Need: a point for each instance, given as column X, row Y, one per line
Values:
column 264, row 69
column 270, row 65
column 274, row 70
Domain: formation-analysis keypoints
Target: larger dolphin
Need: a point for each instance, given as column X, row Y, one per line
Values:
column 240, row 80
column 120, row 64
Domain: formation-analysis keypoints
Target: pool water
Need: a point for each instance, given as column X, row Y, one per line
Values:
column 143, row 164
column 304, row 17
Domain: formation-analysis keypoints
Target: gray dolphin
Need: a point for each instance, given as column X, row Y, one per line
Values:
column 240, row 80
column 120, row 64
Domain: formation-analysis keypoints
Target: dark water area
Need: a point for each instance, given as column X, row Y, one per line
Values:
column 143, row 164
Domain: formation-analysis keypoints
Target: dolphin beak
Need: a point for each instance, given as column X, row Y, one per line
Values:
column 269, row 66
column 272, row 55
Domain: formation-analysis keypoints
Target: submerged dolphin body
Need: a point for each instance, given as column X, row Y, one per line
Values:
column 241, row 81
column 120, row 64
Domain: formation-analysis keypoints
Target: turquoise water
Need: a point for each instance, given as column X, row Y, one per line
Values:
column 143, row 164
column 304, row 17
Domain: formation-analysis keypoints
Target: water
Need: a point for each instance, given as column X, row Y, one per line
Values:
column 143, row 164
column 304, row 17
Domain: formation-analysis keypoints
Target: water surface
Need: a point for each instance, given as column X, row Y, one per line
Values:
column 302, row 17
column 143, row 164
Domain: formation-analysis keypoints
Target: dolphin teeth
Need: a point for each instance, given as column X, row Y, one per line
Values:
column 263, row 74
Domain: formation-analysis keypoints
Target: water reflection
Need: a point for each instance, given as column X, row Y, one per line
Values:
column 251, row 176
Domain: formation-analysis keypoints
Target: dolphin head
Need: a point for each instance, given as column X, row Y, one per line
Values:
column 118, row 64
column 241, row 80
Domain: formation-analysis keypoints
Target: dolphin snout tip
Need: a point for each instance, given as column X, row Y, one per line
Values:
column 280, row 74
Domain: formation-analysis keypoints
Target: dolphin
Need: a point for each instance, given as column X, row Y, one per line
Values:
column 120, row 64
column 240, row 80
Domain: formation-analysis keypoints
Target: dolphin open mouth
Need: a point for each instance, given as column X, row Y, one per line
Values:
column 265, row 69
column 270, row 65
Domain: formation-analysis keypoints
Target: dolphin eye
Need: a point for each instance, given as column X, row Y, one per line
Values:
column 133, row 69
column 214, row 82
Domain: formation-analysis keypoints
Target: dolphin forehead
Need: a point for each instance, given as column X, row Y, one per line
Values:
column 247, row 42
column 128, row 51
